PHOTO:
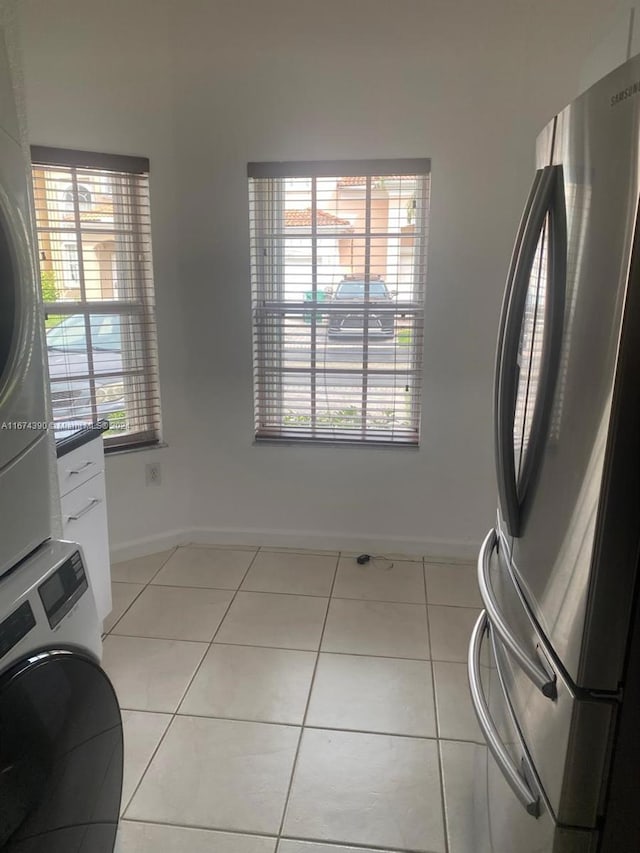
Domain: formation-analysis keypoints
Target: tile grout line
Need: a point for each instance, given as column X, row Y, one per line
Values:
column 437, row 560
column 301, row 594
column 124, row 810
column 127, row 608
column 280, row 648
column 314, row 727
column 201, row 827
column 162, row 639
column 112, row 630
column 286, row 648
column 173, row 552
column 208, row 829
column 444, row 808
column 339, row 845
column 476, row 605
column 186, row 690
column 308, row 702
column 445, row 830
column 270, row 837
column 159, row 569
column 144, row 586
column 254, row 591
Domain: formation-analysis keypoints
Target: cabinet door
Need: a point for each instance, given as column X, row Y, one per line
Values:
column 84, row 518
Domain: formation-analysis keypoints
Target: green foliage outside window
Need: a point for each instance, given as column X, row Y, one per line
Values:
column 49, row 294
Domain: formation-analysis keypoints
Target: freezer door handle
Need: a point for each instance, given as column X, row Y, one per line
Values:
column 543, row 680
column 515, row 779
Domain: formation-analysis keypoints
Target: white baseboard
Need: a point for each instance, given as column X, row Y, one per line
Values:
column 437, row 550
column 147, row 545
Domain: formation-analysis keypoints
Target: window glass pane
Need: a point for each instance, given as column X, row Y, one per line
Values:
column 95, row 259
column 338, row 272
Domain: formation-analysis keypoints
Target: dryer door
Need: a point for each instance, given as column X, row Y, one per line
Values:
column 60, row 756
column 22, row 395
column 9, row 285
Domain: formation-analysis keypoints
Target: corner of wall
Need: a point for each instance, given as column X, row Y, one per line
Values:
column 619, row 41
column 634, row 32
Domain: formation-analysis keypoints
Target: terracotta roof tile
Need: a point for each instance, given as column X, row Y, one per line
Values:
column 97, row 213
column 352, row 181
column 302, row 218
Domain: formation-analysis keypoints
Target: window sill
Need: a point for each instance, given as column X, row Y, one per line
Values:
column 136, row 448
column 335, row 443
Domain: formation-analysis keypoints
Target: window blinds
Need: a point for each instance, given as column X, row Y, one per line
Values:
column 94, row 243
column 338, row 267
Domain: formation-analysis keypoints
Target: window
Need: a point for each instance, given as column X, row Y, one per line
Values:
column 338, row 268
column 80, row 194
column 71, row 270
column 94, row 244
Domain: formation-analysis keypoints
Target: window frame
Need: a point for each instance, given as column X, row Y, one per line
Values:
column 281, row 175
column 132, row 310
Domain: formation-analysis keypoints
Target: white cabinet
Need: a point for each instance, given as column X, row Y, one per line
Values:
column 84, row 515
column 79, row 465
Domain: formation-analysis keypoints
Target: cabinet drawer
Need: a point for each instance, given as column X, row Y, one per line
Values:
column 84, row 519
column 80, row 465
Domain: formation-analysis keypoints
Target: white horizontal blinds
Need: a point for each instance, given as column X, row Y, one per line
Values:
column 94, row 241
column 338, row 279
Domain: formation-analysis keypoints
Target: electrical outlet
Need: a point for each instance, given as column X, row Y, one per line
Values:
column 153, row 474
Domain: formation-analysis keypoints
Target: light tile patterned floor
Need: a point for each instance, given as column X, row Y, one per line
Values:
column 292, row 702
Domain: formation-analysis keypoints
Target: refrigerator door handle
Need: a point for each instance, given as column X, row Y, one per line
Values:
column 509, row 496
column 508, row 768
column 543, row 680
column 541, row 202
column 553, row 334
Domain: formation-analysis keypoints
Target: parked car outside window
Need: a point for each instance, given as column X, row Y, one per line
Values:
column 71, row 362
column 351, row 292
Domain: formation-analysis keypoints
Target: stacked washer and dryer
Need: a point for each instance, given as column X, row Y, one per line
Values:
column 60, row 725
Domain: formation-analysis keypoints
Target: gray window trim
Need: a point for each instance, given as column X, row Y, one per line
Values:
column 43, row 155
column 347, row 168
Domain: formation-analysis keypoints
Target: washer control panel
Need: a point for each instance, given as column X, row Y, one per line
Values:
column 15, row 627
column 63, row 588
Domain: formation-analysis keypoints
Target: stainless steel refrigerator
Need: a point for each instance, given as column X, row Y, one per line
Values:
column 554, row 659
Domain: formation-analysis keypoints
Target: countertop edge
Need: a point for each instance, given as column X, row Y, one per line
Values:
column 80, row 438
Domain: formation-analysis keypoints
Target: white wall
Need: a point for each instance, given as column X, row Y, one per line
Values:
column 203, row 86
column 101, row 79
column 619, row 41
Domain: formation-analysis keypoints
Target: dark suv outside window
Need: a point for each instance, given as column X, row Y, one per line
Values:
column 351, row 292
